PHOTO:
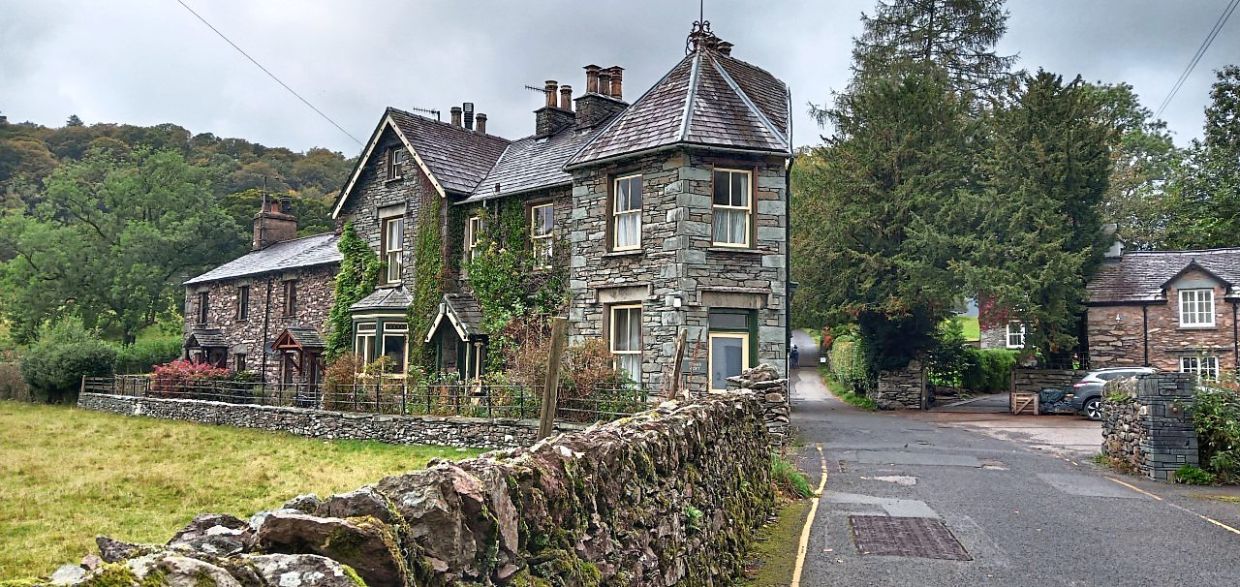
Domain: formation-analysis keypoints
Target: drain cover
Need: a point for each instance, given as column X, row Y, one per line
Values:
column 919, row 537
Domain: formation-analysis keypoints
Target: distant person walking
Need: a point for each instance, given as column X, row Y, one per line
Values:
column 794, row 357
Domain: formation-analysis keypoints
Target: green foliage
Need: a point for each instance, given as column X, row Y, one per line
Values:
column 428, row 281
column 849, row 395
column 359, row 273
column 988, row 370
column 54, row 366
column 1216, row 417
column 949, row 357
column 788, row 479
column 1193, row 475
column 144, row 354
column 846, row 362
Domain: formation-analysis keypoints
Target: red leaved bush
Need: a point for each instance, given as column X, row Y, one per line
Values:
column 179, row 376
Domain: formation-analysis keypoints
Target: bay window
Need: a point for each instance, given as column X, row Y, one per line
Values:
column 364, row 344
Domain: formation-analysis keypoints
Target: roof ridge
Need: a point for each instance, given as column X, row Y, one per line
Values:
column 740, row 92
column 1184, row 251
column 448, row 125
column 687, row 114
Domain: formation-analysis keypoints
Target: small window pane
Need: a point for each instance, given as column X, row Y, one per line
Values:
column 740, row 189
column 394, row 349
column 728, row 320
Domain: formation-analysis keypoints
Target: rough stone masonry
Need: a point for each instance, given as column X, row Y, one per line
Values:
column 669, row 496
column 1147, row 424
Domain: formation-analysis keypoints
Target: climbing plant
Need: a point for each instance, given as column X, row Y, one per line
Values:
column 359, row 273
column 429, row 276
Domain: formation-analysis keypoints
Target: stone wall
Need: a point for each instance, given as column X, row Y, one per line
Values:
column 670, row 496
column 1147, row 424
column 764, row 380
column 438, row 430
column 678, row 276
column 315, row 291
column 1032, row 380
column 901, row 389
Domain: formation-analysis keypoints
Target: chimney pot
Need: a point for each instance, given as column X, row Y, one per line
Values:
column 617, row 82
column 456, row 116
column 550, row 92
column 482, row 123
column 604, row 82
column 566, row 97
column 469, row 115
column 592, row 79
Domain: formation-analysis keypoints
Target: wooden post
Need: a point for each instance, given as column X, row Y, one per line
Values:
column 551, row 385
column 678, row 365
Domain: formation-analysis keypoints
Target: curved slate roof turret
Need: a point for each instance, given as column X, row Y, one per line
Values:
column 708, row 99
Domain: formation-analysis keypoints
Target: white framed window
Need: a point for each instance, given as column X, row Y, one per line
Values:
column 626, row 212
column 393, row 247
column 729, row 355
column 542, row 221
column 395, row 345
column 1015, row 334
column 626, row 340
column 364, row 344
column 1196, row 307
column 473, row 238
column 732, row 207
column 1202, row 367
column 396, row 162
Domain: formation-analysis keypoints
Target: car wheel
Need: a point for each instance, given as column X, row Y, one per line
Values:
column 1093, row 408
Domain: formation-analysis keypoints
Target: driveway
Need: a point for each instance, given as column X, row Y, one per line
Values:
column 951, row 499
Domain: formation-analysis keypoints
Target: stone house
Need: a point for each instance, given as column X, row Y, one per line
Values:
column 660, row 216
column 1174, row 310
column 265, row 311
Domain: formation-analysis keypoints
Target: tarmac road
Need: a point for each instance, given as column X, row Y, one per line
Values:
column 1023, row 516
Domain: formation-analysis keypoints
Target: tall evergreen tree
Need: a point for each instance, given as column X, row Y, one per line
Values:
column 1207, row 192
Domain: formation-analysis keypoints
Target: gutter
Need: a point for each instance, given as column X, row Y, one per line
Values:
column 1235, row 334
column 266, row 325
column 678, row 145
column 1145, row 332
column 788, row 265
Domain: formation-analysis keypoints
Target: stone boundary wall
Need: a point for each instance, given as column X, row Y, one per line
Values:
column 451, row 431
column 772, row 391
column 1147, row 424
column 901, row 389
column 1031, row 380
column 669, row 496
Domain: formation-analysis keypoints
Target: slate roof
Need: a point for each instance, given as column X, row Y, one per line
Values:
column 319, row 249
column 463, row 312
column 457, row 157
column 306, row 337
column 707, row 99
column 203, row 338
column 1141, row 276
column 532, row 163
column 384, row 298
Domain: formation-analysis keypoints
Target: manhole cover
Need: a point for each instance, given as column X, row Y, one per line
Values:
column 919, row 537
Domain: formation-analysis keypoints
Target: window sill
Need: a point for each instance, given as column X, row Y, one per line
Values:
column 393, row 179
column 740, row 250
column 632, row 253
column 1198, row 327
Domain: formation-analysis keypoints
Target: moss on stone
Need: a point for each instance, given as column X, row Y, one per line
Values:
column 113, row 575
column 352, row 575
column 26, row 582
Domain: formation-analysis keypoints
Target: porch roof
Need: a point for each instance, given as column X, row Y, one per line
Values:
column 205, row 338
column 299, row 337
column 464, row 314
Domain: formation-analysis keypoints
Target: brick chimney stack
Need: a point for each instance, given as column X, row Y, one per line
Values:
column 553, row 117
column 482, row 123
column 273, row 223
column 456, row 116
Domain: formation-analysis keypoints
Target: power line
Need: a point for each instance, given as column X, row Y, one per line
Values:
column 272, row 75
column 1201, row 51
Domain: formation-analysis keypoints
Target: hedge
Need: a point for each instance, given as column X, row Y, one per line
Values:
column 988, row 370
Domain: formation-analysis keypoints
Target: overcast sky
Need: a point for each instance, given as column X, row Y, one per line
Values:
column 150, row 61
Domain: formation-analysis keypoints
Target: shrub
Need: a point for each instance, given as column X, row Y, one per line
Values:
column 988, row 370
column 848, row 364
column 949, row 358
column 1216, row 417
column 182, row 378
column 788, row 480
column 66, row 352
column 143, row 355
column 1192, row 475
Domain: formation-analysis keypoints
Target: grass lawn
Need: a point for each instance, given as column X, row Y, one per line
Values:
column 67, row 475
column 972, row 330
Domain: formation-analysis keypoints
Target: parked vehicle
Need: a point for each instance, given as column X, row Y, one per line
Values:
column 1087, row 393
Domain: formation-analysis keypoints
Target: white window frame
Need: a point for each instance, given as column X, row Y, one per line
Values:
column 617, row 213
column 396, row 157
column 1197, row 308
column 747, row 208
column 395, row 330
column 611, row 338
column 393, row 248
column 1203, row 366
column 710, row 354
column 542, row 243
column 364, row 338
column 1009, row 334
column 473, row 237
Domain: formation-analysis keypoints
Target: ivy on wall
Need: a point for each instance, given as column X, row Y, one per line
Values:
column 429, row 276
column 359, row 273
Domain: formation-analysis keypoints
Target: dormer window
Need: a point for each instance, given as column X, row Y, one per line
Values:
column 1197, row 308
column 395, row 163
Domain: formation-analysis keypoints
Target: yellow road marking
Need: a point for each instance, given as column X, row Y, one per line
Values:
column 803, row 546
column 1135, row 488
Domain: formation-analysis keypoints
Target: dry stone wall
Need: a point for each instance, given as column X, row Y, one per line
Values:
column 442, row 431
column 901, row 389
column 1147, row 424
column 669, row 496
column 1028, row 380
column 772, row 390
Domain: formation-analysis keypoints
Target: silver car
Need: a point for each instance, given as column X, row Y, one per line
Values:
column 1087, row 393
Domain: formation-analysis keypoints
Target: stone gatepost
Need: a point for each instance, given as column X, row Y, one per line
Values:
column 901, row 388
column 772, row 390
column 1148, row 425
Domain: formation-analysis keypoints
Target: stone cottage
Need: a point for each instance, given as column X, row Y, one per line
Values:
column 265, row 311
column 1174, row 310
column 663, row 216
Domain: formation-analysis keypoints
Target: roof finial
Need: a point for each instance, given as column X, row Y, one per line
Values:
column 700, row 36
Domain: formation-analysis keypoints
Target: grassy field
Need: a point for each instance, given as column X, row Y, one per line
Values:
column 972, row 330
column 68, row 474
